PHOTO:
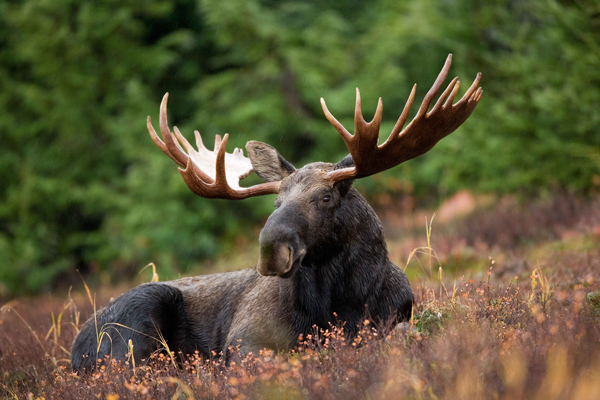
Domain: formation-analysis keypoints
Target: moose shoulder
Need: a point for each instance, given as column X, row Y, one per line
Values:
column 322, row 251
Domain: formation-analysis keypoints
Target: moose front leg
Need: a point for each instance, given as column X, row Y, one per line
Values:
column 253, row 332
column 240, row 348
column 254, row 337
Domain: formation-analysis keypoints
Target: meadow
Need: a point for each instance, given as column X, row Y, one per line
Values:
column 507, row 307
column 506, row 284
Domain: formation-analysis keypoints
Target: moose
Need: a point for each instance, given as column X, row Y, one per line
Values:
column 322, row 259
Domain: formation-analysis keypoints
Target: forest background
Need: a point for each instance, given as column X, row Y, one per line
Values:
column 82, row 186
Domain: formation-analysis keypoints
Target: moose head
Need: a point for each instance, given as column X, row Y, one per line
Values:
column 309, row 198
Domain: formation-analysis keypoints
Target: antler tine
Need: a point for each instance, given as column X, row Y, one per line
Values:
column 444, row 95
column 199, row 143
column 164, row 147
column 367, row 130
column 404, row 116
column 190, row 149
column 366, row 134
column 221, row 177
column 175, row 150
column 183, row 140
column 217, row 141
column 469, row 92
column 435, row 88
column 161, row 145
column 358, row 117
column 450, row 99
column 479, row 94
column 336, row 124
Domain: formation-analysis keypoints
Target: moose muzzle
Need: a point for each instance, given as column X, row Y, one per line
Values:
column 275, row 259
column 281, row 250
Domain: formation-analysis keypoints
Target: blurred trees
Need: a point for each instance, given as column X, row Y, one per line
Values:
column 84, row 187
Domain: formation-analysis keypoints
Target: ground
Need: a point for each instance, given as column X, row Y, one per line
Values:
column 507, row 306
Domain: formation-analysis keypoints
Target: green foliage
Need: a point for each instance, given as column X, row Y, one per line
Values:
column 76, row 79
column 594, row 301
column 83, row 186
column 429, row 321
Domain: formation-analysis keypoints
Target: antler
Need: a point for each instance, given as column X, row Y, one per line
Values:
column 211, row 174
column 421, row 134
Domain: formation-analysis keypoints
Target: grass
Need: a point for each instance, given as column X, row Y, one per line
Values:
column 524, row 330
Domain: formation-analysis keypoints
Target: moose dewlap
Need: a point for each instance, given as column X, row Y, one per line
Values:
column 322, row 257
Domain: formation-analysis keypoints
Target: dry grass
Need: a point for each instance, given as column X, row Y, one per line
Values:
column 534, row 334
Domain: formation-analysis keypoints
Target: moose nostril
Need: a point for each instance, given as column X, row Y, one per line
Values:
column 275, row 258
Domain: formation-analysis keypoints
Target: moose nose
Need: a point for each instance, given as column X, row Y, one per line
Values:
column 281, row 249
column 275, row 259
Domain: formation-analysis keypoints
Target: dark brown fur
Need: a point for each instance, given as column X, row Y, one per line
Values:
column 323, row 246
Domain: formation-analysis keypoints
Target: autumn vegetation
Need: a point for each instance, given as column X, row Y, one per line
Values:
column 520, row 321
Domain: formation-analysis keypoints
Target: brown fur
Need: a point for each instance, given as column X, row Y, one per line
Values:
column 323, row 246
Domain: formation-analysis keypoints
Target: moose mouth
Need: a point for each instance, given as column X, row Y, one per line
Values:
column 293, row 264
column 281, row 260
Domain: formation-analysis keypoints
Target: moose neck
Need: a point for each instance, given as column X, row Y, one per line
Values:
column 344, row 271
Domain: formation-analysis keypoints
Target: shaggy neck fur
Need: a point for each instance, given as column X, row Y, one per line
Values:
column 342, row 274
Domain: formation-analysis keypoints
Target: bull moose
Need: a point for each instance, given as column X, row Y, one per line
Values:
column 322, row 257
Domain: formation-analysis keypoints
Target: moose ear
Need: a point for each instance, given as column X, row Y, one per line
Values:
column 345, row 185
column 346, row 162
column 268, row 164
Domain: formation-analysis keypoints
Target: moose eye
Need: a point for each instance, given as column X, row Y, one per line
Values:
column 326, row 198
